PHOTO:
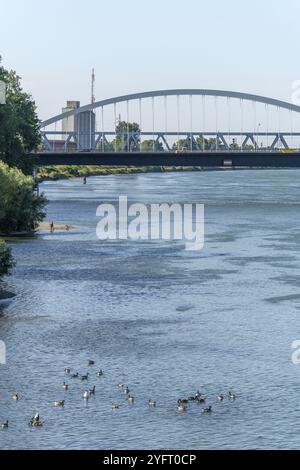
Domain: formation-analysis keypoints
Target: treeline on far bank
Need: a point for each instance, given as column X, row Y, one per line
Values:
column 21, row 208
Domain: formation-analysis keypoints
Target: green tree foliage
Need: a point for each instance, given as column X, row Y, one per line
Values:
column 151, row 145
column 6, row 259
column 19, row 124
column 20, row 207
column 127, row 137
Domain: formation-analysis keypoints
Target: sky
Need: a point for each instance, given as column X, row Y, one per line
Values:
column 137, row 45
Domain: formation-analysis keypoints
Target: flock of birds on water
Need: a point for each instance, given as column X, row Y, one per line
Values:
column 182, row 404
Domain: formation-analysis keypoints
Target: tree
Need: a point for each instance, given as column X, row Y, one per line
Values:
column 20, row 207
column 6, row 259
column 19, row 124
column 151, row 145
column 127, row 137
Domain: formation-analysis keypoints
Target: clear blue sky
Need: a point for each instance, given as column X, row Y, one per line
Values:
column 136, row 46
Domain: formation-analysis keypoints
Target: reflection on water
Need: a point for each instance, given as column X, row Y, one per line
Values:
column 159, row 319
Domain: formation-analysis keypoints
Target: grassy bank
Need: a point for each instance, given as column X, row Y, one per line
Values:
column 53, row 173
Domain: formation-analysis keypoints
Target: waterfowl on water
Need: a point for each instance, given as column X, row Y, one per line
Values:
column 182, row 401
column 220, row 397
column 59, row 403
column 100, row 373
column 91, row 363
column 16, row 397
column 130, row 399
column 68, row 370
column 200, row 400
column 120, row 386
column 207, row 410
column 126, row 391
column 231, row 396
column 92, row 391
column 65, row 386
column 75, row 376
column 85, row 376
column 152, row 403
column 36, row 421
column 115, row 406
column 181, row 408
column 86, row 395
column 4, row 425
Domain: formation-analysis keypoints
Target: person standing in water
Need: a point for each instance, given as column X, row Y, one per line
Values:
column 84, row 180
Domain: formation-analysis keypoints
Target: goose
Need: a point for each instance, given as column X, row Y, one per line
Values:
column 65, row 386
column 220, row 397
column 115, row 406
column 181, row 408
column 85, row 377
column 130, row 399
column 100, row 373
column 86, row 395
column 68, row 370
column 91, row 363
column 59, row 403
column 4, row 425
column 93, row 391
column 231, row 396
column 126, row 391
column 15, row 397
column 152, row 403
column 207, row 410
column 120, row 386
column 75, row 376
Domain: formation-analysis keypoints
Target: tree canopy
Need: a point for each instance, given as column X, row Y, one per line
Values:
column 19, row 124
column 21, row 209
column 6, row 259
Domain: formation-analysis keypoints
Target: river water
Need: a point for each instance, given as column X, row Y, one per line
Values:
column 160, row 319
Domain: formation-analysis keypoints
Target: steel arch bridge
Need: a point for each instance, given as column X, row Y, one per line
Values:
column 89, row 138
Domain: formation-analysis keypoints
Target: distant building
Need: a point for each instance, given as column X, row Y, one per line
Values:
column 82, row 124
column 69, row 124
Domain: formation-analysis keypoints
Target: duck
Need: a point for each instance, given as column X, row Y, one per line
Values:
column 231, row 396
column 75, row 376
column 126, row 391
column 65, row 386
column 198, row 394
column 92, row 391
column 207, row 410
column 16, row 397
column 152, row 403
column 86, row 395
column 4, row 425
column 120, row 386
column 100, row 373
column 200, row 400
column 59, row 403
column 181, row 408
column 68, row 370
column 115, row 406
column 36, row 421
column 91, row 363
column 130, row 399
column 85, row 376
column 220, row 397
column 183, row 401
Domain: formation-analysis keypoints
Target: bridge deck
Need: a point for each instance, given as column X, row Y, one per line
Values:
column 202, row 159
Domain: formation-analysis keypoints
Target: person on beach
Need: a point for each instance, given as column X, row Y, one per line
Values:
column 52, row 227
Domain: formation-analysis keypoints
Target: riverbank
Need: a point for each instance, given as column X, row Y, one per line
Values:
column 54, row 173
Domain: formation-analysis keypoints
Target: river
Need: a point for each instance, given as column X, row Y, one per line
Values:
column 160, row 319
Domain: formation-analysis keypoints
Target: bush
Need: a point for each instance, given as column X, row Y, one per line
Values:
column 6, row 259
column 21, row 209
